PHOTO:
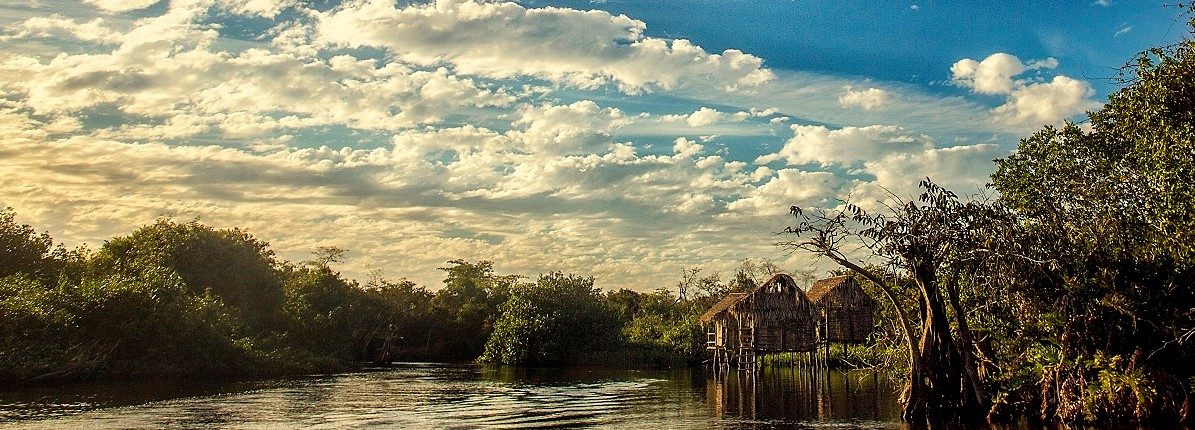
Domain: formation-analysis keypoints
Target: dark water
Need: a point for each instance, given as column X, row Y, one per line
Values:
column 471, row 396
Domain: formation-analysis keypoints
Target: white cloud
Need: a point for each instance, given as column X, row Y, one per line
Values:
column 686, row 148
column 871, row 98
column 1030, row 103
column 168, row 66
column 1047, row 63
column 1047, row 102
column 703, row 117
column 506, row 40
column 993, row 75
column 55, row 26
column 122, row 5
column 820, row 145
column 964, row 169
column 399, row 151
column 578, row 128
column 790, row 187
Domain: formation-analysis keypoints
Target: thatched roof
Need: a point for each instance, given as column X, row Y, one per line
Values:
column 823, row 287
column 733, row 298
column 726, row 302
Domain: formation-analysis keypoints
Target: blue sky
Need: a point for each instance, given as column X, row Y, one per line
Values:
column 620, row 139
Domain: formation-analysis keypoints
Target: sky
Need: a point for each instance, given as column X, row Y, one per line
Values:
column 621, row 139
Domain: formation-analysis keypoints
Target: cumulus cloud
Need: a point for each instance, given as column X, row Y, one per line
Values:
column 815, row 144
column 55, row 26
column 791, row 187
column 1047, row 102
column 894, row 158
column 504, row 39
column 993, row 75
column 703, row 117
column 1030, row 102
column 122, row 5
column 169, row 66
column 871, row 98
column 417, row 147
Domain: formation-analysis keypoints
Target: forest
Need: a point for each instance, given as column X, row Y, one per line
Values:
column 1065, row 294
column 183, row 298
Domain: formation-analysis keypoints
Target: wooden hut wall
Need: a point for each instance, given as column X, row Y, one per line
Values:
column 848, row 312
column 726, row 329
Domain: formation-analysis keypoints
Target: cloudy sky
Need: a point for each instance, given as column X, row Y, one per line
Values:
column 623, row 139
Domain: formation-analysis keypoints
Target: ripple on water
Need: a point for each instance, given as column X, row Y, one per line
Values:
column 449, row 396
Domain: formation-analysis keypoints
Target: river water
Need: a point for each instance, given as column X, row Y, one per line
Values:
column 472, row 396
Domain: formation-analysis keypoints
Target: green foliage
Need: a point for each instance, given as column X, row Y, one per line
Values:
column 1107, row 214
column 470, row 302
column 24, row 251
column 112, row 325
column 326, row 315
column 231, row 265
column 404, row 323
column 666, row 331
column 560, row 319
column 188, row 299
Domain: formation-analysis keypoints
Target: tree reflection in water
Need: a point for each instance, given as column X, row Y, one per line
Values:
column 795, row 395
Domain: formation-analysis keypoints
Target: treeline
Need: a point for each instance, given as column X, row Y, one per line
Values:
column 183, row 298
column 1070, row 295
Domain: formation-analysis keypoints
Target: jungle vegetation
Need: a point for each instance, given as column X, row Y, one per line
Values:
column 184, row 298
column 1067, row 295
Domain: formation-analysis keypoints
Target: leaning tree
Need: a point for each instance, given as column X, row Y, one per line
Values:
column 933, row 244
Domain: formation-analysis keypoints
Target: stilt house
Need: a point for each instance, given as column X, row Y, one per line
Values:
column 847, row 312
column 774, row 317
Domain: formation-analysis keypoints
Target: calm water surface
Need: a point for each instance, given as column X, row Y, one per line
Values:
column 472, row 396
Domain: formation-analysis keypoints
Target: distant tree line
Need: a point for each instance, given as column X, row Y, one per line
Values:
column 184, row 298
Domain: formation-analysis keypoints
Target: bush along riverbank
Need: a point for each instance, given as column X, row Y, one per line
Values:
column 183, row 298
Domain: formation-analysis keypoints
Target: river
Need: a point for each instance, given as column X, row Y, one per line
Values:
column 411, row 395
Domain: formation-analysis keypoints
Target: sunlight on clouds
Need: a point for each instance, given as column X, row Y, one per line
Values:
column 385, row 128
column 820, row 145
column 507, row 40
column 871, row 98
column 122, row 5
column 55, row 26
column 1030, row 103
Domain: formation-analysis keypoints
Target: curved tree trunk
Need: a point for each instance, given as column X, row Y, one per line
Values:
column 939, row 355
column 913, row 397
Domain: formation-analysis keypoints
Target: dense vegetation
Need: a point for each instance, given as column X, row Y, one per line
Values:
column 1069, row 296
column 182, row 298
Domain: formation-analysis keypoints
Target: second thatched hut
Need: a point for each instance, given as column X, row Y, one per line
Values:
column 847, row 312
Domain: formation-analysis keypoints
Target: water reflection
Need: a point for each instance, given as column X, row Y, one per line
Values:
column 471, row 396
column 796, row 395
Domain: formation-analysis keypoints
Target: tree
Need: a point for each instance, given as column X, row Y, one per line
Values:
column 559, row 319
column 1111, row 211
column 23, row 250
column 470, row 302
column 920, row 242
column 231, row 264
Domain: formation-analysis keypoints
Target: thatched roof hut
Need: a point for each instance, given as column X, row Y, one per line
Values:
column 775, row 316
column 846, row 310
